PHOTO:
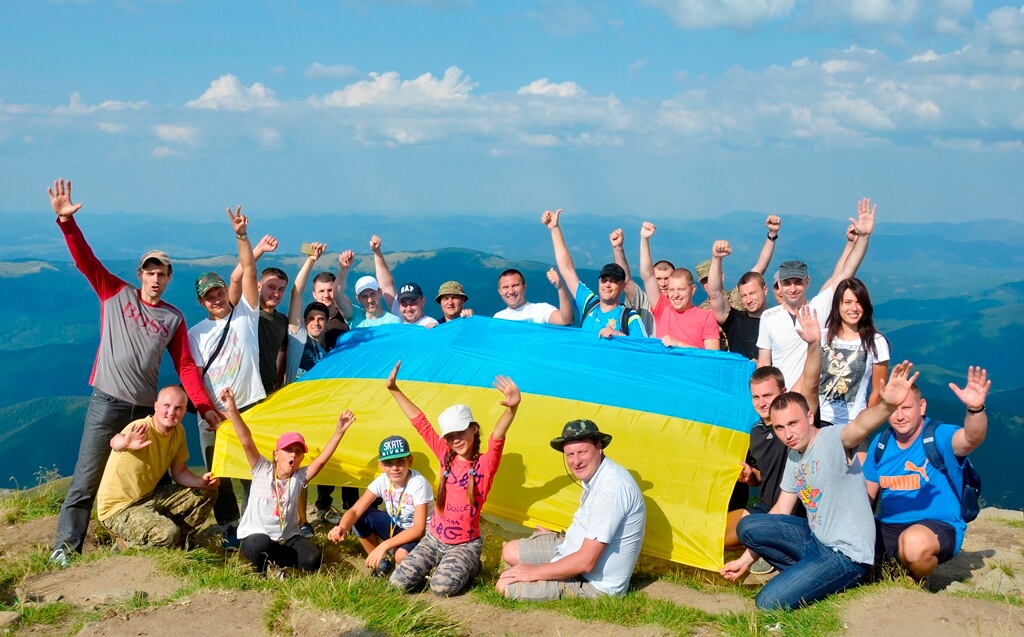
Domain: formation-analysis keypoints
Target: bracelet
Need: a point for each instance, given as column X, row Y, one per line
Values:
column 242, row 237
column 976, row 411
column 771, row 238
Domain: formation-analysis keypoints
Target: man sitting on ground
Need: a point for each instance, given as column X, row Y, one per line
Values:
column 597, row 555
column 602, row 313
column 919, row 521
column 512, row 288
column 130, row 502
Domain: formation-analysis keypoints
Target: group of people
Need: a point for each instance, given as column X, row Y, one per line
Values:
column 819, row 389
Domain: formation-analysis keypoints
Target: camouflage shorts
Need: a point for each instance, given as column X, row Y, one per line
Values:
column 453, row 565
column 158, row 519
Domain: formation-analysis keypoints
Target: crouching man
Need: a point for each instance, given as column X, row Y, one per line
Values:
column 600, row 548
column 131, row 503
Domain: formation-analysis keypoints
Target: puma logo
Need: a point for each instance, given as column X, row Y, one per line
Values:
column 910, row 466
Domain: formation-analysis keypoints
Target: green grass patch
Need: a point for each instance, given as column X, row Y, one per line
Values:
column 990, row 597
column 47, row 614
column 40, row 501
column 1013, row 524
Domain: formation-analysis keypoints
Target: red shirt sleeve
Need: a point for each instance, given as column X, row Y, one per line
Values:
column 426, row 431
column 181, row 355
column 101, row 280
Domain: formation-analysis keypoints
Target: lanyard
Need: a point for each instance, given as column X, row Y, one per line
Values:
column 395, row 513
column 275, row 485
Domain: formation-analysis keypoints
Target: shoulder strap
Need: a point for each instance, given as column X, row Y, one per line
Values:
column 883, row 439
column 931, row 450
column 624, row 320
column 589, row 304
column 220, row 342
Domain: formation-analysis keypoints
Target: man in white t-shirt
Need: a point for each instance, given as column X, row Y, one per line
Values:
column 600, row 548
column 778, row 343
column 512, row 288
column 225, row 346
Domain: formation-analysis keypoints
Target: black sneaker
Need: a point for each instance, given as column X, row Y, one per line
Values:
column 230, row 541
column 385, row 566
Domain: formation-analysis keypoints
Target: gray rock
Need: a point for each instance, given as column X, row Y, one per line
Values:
column 998, row 582
column 116, row 596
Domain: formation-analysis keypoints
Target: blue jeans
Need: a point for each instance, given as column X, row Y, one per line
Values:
column 106, row 417
column 808, row 570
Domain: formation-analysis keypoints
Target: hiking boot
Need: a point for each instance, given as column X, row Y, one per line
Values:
column 230, row 541
column 60, row 557
column 386, row 565
column 761, row 567
column 329, row 517
column 306, row 530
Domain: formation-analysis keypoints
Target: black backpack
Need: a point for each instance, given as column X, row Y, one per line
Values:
column 969, row 493
column 591, row 303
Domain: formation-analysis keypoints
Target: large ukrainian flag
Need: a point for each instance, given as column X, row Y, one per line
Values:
column 680, row 418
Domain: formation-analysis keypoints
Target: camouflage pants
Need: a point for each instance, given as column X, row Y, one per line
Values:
column 453, row 565
column 159, row 518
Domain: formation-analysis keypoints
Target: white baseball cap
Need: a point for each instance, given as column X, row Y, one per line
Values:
column 455, row 419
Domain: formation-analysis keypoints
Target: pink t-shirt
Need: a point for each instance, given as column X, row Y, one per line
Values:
column 691, row 326
column 459, row 522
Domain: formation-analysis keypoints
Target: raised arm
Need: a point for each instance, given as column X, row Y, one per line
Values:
column 617, row 239
column 511, row 400
column 973, row 395
column 894, row 393
column 385, row 279
column 562, row 257
column 252, row 455
column 246, row 261
column 851, row 239
column 810, row 332
column 299, row 287
column 408, row 408
column 564, row 314
column 267, row 244
column 345, row 420
column 773, row 223
column 131, row 440
column 716, row 292
column 647, row 231
column 102, row 281
column 341, row 284
column 863, row 225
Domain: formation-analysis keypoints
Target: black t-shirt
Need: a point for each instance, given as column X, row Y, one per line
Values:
column 335, row 327
column 273, row 336
column 769, row 454
column 741, row 330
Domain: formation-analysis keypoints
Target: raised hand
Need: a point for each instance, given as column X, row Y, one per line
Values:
column 508, row 387
column 647, row 230
column 393, row 376
column 810, row 329
column 851, row 233
column 239, row 221
column 773, row 223
column 345, row 420
column 346, row 258
column 865, row 221
column 898, row 388
column 227, row 398
column 720, row 249
column 136, row 439
column 267, row 244
column 60, row 199
column 615, row 238
column 375, row 244
column 550, row 219
column 318, row 250
column 976, row 390
column 554, row 279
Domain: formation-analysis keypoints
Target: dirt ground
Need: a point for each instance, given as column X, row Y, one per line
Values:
column 97, row 585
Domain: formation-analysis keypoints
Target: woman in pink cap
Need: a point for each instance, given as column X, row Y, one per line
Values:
column 452, row 545
column 269, row 529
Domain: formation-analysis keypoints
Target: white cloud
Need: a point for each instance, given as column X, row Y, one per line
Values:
column 176, row 134
column 841, row 66
column 330, row 71
column 165, row 151
column 544, row 140
column 227, row 93
column 635, row 67
column 269, row 139
column 544, row 87
column 389, row 89
column 76, row 106
column 743, row 14
column 564, row 18
column 112, row 128
column 1006, row 25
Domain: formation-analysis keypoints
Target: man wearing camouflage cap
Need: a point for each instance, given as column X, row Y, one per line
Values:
column 452, row 298
column 599, row 550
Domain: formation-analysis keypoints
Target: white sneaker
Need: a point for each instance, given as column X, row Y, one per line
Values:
column 330, row 517
column 60, row 557
column 761, row 567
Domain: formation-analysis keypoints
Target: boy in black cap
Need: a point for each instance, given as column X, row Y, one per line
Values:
column 597, row 555
column 408, row 502
column 603, row 312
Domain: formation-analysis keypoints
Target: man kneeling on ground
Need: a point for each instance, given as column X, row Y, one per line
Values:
column 131, row 503
column 597, row 555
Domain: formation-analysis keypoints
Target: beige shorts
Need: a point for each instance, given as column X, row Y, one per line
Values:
column 540, row 549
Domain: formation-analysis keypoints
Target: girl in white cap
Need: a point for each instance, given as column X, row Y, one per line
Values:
column 452, row 546
column 269, row 529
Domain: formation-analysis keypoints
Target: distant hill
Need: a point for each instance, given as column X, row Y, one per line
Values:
column 48, row 337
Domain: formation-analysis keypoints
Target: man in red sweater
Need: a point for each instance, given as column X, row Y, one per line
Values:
column 136, row 326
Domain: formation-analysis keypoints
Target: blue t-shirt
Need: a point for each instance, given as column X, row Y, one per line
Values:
column 598, row 319
column 360, row 319
column 911, row 489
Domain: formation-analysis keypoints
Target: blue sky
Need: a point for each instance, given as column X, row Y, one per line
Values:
column 658, row 108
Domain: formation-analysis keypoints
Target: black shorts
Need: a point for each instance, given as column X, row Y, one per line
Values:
column 887, row 544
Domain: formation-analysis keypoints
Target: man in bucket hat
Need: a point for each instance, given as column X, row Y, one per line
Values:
column 597, row 555
column 452, row 298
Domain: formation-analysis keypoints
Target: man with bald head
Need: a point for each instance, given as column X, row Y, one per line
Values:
column 131, row 503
